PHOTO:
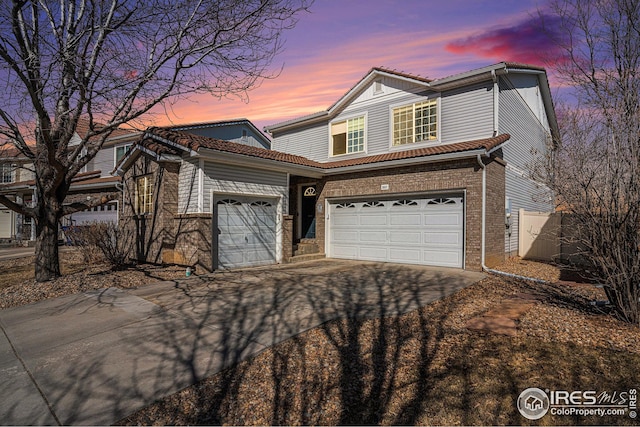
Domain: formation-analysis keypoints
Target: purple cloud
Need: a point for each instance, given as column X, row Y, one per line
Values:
column 532, row 41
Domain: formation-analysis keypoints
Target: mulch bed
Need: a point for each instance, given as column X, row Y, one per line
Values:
column 18, row 287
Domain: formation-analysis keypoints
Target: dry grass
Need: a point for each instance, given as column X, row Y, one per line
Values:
column 424, row 367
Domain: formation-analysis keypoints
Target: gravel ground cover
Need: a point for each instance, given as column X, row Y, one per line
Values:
column 425, row 367
column 18, row 286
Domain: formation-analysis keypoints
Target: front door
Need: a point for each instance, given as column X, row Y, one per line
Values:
column 308, row 212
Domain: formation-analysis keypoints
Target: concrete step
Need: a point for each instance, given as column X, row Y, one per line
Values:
column 308, row 257
column 306, row 249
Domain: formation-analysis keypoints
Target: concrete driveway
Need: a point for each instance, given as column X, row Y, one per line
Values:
column 94, row 358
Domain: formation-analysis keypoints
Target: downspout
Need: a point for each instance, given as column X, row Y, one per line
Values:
column 484, row 210
column 496, row 98
column 120, row 187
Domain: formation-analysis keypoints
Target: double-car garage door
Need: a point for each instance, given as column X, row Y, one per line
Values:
column 412, row 230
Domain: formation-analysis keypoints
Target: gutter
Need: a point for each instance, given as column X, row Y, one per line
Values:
column 318, row 172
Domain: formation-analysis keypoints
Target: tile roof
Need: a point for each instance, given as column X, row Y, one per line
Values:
column 154, row 141
column 82, row 128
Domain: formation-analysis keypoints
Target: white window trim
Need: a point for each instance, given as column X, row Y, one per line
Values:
column 421, row 144
column 345, row 118
column 10, row 169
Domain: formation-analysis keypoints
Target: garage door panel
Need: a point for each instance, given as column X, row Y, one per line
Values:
column 442, row 258
column 373, row 253
column 373, row 236
column 349, row 252
column 373, row 220
column 344, row 236
column 405, row 255
column 345, row 220
column 398, row 218
column 417, row 231
column 442, row 219
column 405, row 238
column 442, row 238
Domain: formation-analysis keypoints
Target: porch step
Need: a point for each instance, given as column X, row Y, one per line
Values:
column 308, row 257
column 306, row 247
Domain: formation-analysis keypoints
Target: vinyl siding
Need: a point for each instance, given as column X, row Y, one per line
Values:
column 467, row 113
column 231, row 133
column 464, row 115
column 188, row 186
column 526, row 194
column 528, row 141
column 309, row 141
column 528, row 134
column 103, row 161
column 223, row 178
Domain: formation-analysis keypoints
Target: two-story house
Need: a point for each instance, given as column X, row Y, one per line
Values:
column 401, row 169
column 18, row 183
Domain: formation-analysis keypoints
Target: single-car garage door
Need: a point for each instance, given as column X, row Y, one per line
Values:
column 428, row 231
column 6, row 224
column 246, row 231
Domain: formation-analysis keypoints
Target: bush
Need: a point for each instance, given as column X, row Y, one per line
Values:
column 102, row 241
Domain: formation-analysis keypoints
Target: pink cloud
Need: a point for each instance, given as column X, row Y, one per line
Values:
column 528, row 41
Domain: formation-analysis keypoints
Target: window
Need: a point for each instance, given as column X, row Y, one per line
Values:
column 144, row 194
column 415, row 123
column 347, row 136
column 120, row 152
column 7, row 171
column 375, row 204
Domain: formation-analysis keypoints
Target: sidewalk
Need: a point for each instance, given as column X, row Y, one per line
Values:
column 96, row 357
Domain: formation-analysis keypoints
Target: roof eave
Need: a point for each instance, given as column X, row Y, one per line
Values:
column 434, row 158
column 238, row 159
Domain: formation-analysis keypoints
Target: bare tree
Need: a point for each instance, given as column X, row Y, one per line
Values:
column 595, row 168
column 109, row 62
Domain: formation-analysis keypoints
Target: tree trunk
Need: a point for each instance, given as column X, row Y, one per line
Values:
column 47, row 261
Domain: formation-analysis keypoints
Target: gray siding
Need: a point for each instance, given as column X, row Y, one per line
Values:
column 526, row 194
column 103, row 161
column 528, row 142
column 310, row 142
column 464, row 115
column 224, row 178
column 528, row 134
column 467, row 114
column 188, row 186
column 230, row 132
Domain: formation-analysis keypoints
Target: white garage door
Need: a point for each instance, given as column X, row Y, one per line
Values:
column 6, row 224
column 103, row 213
column 246, row 232
column 426, row 231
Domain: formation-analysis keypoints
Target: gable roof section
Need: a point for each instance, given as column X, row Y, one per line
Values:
column 82, row 129
column 441, row 84
column 217, row 123
column 162, row 142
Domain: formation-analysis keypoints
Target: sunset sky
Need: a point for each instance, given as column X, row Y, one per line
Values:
column 339, row 41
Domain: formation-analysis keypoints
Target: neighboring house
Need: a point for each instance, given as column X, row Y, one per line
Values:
column 401, row 169
column 18, row 183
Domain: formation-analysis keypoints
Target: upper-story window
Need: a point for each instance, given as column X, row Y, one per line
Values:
column 120, row 152
column 347, row 136
column 415, row 123
column 7, row 172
